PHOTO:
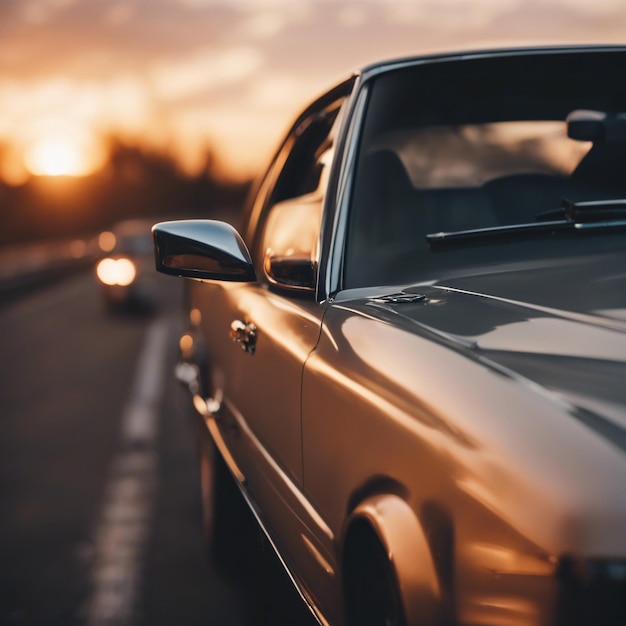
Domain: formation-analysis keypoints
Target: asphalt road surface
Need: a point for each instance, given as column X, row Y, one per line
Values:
column 99, row 515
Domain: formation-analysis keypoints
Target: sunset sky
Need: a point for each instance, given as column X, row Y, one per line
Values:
column 184, row 75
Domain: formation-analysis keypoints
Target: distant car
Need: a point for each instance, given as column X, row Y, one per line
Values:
column 413, row 357
column 125, row 270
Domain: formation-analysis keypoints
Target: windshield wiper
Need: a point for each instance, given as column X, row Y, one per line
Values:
column 574, row 217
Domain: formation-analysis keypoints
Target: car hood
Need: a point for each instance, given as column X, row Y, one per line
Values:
column 559, row 328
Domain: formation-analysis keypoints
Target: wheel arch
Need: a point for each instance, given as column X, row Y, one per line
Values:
column 403, row 539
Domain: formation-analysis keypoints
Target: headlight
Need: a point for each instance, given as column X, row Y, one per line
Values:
column 120, row 272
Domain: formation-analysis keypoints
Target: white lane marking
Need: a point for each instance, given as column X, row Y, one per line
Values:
column 122, row 530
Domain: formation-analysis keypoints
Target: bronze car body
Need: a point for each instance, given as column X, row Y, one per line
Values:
column 413, row 359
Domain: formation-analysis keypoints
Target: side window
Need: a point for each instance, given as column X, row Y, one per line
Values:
column 304, row 164
column 300, row 182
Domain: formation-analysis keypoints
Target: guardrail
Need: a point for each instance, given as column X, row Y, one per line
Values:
column 31, row 265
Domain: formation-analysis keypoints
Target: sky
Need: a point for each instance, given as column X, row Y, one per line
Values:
column 185, row 76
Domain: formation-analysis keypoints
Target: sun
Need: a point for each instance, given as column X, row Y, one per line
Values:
column 62, row 154
column 54, row 156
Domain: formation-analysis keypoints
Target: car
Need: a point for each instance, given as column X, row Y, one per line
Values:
column 411, row 352
column 125, row 269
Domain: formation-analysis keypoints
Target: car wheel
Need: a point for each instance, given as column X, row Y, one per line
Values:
column 224, row 512
column 371, row 590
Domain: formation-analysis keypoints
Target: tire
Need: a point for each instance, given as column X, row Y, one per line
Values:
column 224, row 512
column 371, row 590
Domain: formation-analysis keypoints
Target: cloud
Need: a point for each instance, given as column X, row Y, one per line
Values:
column 352, row 16
column 263, row 25
column 30, row 111
column 194, row 4
column 449, row 15
column 120, row 13
column 593, row 8
column 204, row 70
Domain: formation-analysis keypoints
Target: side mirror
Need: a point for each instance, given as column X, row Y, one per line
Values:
column 290, row 271
column 202, row 249
column 290, row 243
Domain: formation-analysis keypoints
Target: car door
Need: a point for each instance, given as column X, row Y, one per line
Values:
column 259, row 334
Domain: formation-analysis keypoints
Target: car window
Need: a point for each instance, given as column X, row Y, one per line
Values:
column 300, row 184
column 479, row 144
column 306, row 155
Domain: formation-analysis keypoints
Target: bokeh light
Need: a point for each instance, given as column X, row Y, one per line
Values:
column 120, row 272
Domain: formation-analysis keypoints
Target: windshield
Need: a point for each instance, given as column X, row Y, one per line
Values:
column 480, row 143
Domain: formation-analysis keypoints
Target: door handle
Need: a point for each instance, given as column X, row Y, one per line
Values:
column 243, row 334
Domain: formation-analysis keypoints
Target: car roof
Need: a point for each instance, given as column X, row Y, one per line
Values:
column 391, row 64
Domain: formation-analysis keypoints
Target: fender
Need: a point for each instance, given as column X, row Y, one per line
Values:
column 403, row 538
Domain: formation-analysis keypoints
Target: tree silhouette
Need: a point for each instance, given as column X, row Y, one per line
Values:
column 135, row 182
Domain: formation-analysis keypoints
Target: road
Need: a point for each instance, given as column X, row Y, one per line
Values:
column 100, row 521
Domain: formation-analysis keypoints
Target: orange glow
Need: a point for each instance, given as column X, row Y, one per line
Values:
column 186, row 343
column 107, row 241
column 63, row 154
column 195, row 316
column 120, row 272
